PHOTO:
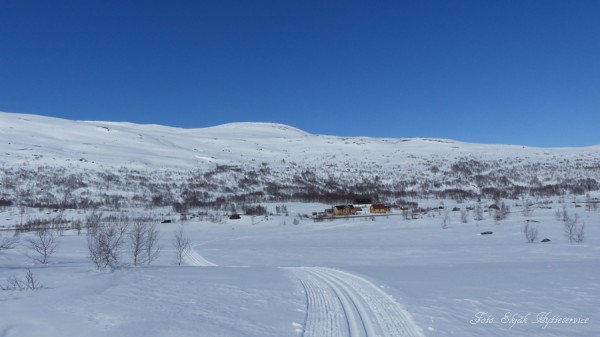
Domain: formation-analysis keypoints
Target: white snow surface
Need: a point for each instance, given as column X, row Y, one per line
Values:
column 267, row 277
column 351, row 277
column 249, row 157
column 38, row 140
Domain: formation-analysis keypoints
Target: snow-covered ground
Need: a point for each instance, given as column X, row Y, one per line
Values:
column 386, row 276
column 351, row 277
column 38, row 140
column 57, row 163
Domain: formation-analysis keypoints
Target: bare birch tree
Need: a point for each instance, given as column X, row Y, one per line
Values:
column 43, row 245
column 478, row 212
column 138, row 240
column 464, row 216
column 152, row 248
column 531, row 232
column 570, row 226
column 445, row 219
column 580, row 233
column 143, row 240
column 106, row 242
column 181, row 243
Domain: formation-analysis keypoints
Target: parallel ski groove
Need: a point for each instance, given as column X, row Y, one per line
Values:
column 192, row 258
column 357, row 315
column 323, row 309
column 343, row 304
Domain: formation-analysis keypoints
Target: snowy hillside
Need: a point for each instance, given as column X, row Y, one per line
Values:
column 443, row 263
column 49, row 161
column 45, row 140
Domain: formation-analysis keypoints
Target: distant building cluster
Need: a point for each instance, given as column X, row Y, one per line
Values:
column 358, row 207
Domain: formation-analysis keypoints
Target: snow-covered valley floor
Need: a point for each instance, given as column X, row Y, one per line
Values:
column 352, row 277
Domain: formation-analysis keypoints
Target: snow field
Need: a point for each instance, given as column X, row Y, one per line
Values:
column 386, row 277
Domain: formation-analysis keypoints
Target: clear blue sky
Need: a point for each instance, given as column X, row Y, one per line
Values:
column 518, row 72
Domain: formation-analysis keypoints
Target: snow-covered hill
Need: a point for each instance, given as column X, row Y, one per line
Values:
column 412, row 274
column 271, row 160
column 54, row 141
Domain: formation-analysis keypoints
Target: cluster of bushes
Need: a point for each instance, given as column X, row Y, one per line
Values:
column 223, row 185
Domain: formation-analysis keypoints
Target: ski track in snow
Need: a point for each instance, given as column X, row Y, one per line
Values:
column 192, row 258
column 342, row 304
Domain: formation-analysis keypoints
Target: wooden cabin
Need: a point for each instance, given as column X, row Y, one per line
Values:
column 380, row 208
column 344, row 210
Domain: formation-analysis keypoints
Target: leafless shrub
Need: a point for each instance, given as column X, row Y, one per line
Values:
column 464, row 216
column 558, row 215
column 93, row 220
column 30, row 282
column 152, row 246
column 527, row 208
column 562, row 214
column 216, row 218
column 570, row 226
column 281, row 209
column 13, row 283
column 255, row 210
column 105, row 243
column 478, row 212
column 531, row 232
column 181, row 243
column 591, row 204
column 406, row 213
column 502, row 212
column 76, row 225
column 43, row 245
column 445, row 219
column 579, row 233
column 8, row 242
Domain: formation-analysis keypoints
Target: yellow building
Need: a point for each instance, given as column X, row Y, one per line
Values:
column 380, row 208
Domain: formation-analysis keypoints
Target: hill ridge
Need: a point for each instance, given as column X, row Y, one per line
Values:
column 84, row 160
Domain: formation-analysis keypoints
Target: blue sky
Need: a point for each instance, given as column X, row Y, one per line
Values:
column 517, row 72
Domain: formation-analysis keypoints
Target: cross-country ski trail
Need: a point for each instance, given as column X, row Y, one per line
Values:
column 342, row 304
